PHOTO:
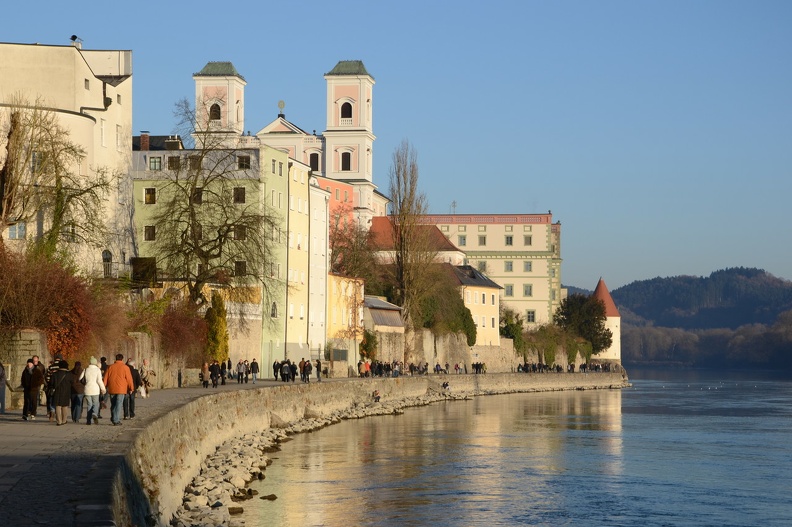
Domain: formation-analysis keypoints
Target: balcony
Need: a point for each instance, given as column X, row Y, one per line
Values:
column 110, row 270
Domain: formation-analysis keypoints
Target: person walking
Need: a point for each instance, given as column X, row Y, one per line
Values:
column 247, row 371
column 254, row 370
column 78, row 391
column 223, row 372
column 240, row 368
column 103, row 399
column 32, row 381
column 205, row 375
column 60, row 390
column 3, row 382
column 51, row 369
column 318, row 370
column 118, row 381
column 214, row 373
column 129, row 400
column 94, row 389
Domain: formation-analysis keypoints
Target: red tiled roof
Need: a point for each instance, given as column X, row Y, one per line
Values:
column 601, row 293
column 382, row 236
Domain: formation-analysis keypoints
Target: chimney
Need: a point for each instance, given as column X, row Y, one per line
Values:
column 145, row 142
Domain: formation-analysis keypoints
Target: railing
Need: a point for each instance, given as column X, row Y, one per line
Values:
column 113, row 270
column 346, row 121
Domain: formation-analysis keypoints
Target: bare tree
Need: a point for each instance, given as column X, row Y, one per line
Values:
column 413, row 250
column 40, row 174
column 212, row 223
column 351, row 253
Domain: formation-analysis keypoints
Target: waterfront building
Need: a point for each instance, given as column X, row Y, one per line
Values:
column 482, row 297
column 612, row 322
column 384, row 320
column 90, row 93
column 519, row 252
column 345, row 302
column 319, row 266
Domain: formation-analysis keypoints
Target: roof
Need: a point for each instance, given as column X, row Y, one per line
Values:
column 219, row 69
column 383, row 313
column 601, row 293
column 159, row 142
column 349, row 67
column 382, row 236
column 467, row 275
column 373, row 302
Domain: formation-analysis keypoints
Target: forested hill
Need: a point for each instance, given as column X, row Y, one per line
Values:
column 729, row 298
column 733, row 318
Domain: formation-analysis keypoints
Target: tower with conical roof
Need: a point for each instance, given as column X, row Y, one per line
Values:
column 612, row 322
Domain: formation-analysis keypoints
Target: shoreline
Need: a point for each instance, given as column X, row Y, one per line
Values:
column 188, row 478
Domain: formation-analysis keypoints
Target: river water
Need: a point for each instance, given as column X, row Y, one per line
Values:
column 678, row 448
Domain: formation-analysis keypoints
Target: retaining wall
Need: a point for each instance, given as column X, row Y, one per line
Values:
column 167, row 455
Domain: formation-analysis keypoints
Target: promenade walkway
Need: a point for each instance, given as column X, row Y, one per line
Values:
column 62, row 475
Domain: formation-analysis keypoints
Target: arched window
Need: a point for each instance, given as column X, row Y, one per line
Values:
column 315, row 162
column 346, row 111
column 346, row 161
column 107, row 264
column 214, row 112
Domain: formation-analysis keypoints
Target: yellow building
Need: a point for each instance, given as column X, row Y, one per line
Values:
column 482, row 297
column 90, row 92
column 345, row 302
column 519, row 252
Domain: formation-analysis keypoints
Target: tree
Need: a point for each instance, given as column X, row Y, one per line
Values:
column 584, row 316
column 511, row 327
column 351, row 254
column 413, row 252
column 212, row 224
column 40, row 174
column 444, row 310
column 217, row 329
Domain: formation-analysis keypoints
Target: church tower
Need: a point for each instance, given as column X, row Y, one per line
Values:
column 220, row 99
column 612, row 322
column 349, row 137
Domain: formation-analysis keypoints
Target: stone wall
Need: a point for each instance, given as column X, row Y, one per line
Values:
column 167, row 454
column 15, row 349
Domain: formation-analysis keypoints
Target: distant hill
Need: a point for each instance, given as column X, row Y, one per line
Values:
column 729, row 298
column 738, row 317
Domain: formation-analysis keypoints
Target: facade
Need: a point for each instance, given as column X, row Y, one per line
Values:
column 345, row 301
column 318, row 261
column 298, row 226
column 482, row 297
column 612, row 322
column 519, row 252
column 382, row 239
column 385, row 321
column 90, row 91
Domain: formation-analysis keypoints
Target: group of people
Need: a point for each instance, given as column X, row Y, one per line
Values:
column 288, row 370
column 69, row 390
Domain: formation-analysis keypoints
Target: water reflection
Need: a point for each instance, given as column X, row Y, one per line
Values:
column 456, row 463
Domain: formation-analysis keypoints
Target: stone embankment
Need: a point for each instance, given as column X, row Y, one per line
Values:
column 192, row 466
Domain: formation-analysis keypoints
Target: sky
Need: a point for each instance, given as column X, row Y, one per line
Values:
column 659, row 133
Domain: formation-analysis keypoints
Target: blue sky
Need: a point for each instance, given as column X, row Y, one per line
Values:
column 659, row 133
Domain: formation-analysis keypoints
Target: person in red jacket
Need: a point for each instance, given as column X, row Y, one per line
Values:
column 118, row 381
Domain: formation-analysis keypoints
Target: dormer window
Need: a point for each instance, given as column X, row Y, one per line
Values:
column 214, row 112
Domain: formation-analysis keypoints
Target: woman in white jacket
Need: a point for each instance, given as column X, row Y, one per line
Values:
column 94, row 387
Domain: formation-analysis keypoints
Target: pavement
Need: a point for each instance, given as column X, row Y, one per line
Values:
column 62, row 475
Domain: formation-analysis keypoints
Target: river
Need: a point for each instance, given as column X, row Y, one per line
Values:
column 678, row 448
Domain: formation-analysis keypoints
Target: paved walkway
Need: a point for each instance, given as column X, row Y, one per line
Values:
column 62, row 475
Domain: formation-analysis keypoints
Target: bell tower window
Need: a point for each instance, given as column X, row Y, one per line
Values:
column 346, row 161
column 214, row 112
column 346, row 111
column 315, row 162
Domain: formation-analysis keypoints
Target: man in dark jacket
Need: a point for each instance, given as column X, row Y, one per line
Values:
column 129, row 400
column 254, row 370
column 60, row 388
column 32, row 381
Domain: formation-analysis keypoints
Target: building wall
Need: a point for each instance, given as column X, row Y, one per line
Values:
column 90, row 91
column 484, row 306
column 298, row 265
column 519, row 252
column 318, row 258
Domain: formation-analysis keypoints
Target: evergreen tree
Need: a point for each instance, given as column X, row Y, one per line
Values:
column 217, row 329
column 584, row 316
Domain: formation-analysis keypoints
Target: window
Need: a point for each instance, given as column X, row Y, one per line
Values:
column 274, row 310
column 17, row 231
column 483, row 298
column 149, row 233
column 530, row 316
column 527, row 266
column 508, row 266
column 214, row 112
column 314, row 162
column 493, row 322
column 527, row 290
column 462, row 239
column 280, row 169
column 240, row 232
column 273, row 166
column 346, row 161
column 87, row 84
column 243, row 162
column 239, row 194
column 118, row 98
column 102, row 126
column 346, row 111
column 508, row 290
column 482, row 266
column 197, row 196
column 338, row 194
column 195, row 162
column 552, row 273
column 174, row 163
column 155, row 163
column 150, row 196
column 527, row 239
column 197, row 231
column 118, row 137
column 482, row 240
column 240, row 268
column 346, row 196
column 509, row 240
column 493, row 300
